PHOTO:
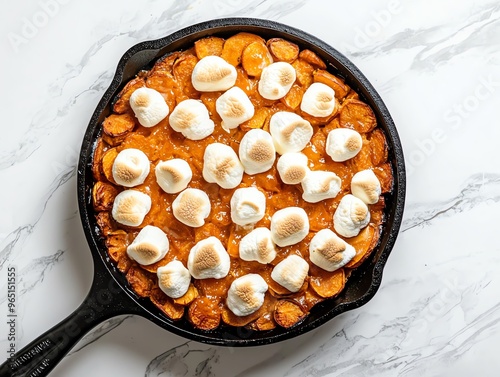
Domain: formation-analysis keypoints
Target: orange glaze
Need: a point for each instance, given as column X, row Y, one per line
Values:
column 162, row 143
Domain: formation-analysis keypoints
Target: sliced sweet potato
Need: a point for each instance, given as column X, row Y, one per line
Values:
column 183, row 68
column 279, row 291
column 327, row 284
column 97, row 172
column 384, row 175
column 312, row 58
column 233, row 47
column 204, row 313
column 288, row 313
column 208, row 47
column 188, row 297
column 113, row 141
column 122, row 104
column 352, row 95
column 140, row 280
column 258, row 120
column 213, row 287
column 124, row 263
column 103, row 196
column 337, row 84
column 304, row 72
column 311, row 298
column 164, row 66
column 105, row 223
column 362, row 160
column 263, row 323
column 107, row 163
column 282, row 50
column 118, row 124
column 294, row 97
column 117, row 242
column 165, row 304
column 229, row 318
column 378, row 147
column 255, row 58
column 364, row 244
column 357, row 115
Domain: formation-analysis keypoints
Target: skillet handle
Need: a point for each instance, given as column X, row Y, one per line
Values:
column 105, row 300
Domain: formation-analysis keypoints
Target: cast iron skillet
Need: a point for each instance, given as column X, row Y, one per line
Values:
column 110, row 294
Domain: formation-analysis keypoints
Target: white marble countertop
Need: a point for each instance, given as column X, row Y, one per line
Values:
column 436, row 64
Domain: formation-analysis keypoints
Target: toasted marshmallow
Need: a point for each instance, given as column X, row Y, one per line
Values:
column 257, row 152
column 289, row 226
column 130, row 207
column 366, row 186
column 212, row 73
column 222, row 166
column 290, row 132
column 190, row 117
column 174, row 279
column 191, row 207
column 150, row 245
column 318, row 100
column 343, row 144
column 291, row 272
column 330, row 252
column 234, row 107
column 258, row 246
column 351, row 216
column 246, row 294
column 292, row 167
column 173, row 176
column 208, row 259
column 276, row 80
column 320, row 185
column 130, row 168
column 149, row 106
column 248, row 205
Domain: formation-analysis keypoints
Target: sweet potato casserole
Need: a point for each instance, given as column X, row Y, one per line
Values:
column 239, row 181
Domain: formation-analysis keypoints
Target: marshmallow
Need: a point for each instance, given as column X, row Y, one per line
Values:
column 246, row 294
column 149, row 246
column 257, row 153
column 130, row 207
column 292, row 167
column 234, row 107
column 291, row 272
column 258, row 246
column 290, row 132
column 222, row 166
column 190, row 117
column 289, row 226
column 248, row 205
column 276, row 80
column 191, row 207
column 130, row 168
column 318, row 100
column 208, row 259
column 320, row 185
column 343, row 144
column 174, row 279
column 149, row 106
column 212, row 73
column 351, row 216
column 366, row 186
column 174, row 175
column 330, row 252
